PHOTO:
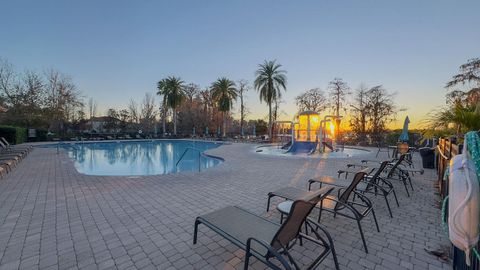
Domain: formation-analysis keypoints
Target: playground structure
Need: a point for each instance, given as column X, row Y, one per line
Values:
column 308, row 134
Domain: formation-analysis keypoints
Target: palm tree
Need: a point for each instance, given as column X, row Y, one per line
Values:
column 224, row 93
column 269, row 81
column 172, row 90
column 161, row 86
column 464, row 118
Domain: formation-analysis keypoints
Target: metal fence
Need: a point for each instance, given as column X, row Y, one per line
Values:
column 447, row 149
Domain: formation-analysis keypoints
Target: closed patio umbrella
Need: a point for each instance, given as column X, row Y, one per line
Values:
column 404, row 136
column 206, row 130
column 254, row 133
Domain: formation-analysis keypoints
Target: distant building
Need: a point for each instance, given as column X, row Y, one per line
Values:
column 103, row 124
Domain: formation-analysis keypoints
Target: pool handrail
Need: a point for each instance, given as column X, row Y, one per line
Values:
column 184, row 152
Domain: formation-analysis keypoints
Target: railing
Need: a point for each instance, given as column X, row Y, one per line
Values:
column 185, row 152
column 447, row 149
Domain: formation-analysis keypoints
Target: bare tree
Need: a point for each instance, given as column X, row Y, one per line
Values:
column 243, row 87
column 188, row 112
column 92, row 108
column 311, row 100
column 7, row 78
column 62, row 97
column 191, row 90
column 338, row 91
column 359, row 113
column 133, row 111
column 148, row 112
column 112, row 122
column 381, row 111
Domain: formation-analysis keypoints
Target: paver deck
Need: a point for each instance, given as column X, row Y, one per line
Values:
column 52, row 217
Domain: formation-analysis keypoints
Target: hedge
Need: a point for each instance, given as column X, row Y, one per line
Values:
column 14, row 135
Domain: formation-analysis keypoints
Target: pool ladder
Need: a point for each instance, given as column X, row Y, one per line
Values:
column 184, row 152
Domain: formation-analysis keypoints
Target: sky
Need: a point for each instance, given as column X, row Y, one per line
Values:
column 118, row 50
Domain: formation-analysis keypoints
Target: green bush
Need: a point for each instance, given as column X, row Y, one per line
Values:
column 14, row 135
column 41, row 136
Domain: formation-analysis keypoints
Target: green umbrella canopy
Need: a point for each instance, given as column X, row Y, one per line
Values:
column 404, row 136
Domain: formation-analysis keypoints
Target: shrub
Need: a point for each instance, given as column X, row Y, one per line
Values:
column 41, row 136
column 14, row 135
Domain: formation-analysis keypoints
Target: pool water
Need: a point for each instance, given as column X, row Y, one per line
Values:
column 343, row 153
column 130, row 158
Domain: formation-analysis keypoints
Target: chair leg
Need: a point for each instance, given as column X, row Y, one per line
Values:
column 410, row 181
column 268, row 203
column 395, row 196
column 388, row 206
column 195, row 230
column 247, row 260
column 375, row 219
column 361, row 234
column 292, row 261
column 405, row 185
column 319, row 215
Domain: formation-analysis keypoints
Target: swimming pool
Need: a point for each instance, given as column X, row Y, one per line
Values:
column 345, row 152
column 130, row 158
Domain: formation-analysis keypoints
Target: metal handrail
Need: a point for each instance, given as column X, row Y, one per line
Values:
column 184, row 152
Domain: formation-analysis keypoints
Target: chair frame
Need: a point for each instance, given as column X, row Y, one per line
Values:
column 343, row 202
column 278, row 253
column 375, row 184
column 393, row 169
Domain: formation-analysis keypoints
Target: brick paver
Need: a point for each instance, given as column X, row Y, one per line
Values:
column 52, row 217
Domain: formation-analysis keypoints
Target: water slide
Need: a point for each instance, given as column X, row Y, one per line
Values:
column 302, row 147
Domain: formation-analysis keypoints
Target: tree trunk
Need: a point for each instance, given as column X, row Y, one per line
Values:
column 241, row 115
column 270, row 126
column 224, row 125
column 164, row 124
column 175, row 121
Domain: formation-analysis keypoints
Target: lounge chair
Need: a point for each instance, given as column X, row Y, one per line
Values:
column 341, row 205
column 267, row 240
column 6, row 154
column 13, row 151
column 392, row 170
column 21, row 147
column 373, row 183
column 382, row 148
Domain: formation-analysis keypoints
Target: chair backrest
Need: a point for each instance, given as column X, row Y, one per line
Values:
column 299, row 211
column 2, row 145
column 2, row 139
column 395, row 166
column 377, row 173
column 356, row 179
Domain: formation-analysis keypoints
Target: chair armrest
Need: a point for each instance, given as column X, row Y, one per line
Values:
column 385, row 181
column 346, row 205
column 313, row 224
column 270, row 250
column 363, row 198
